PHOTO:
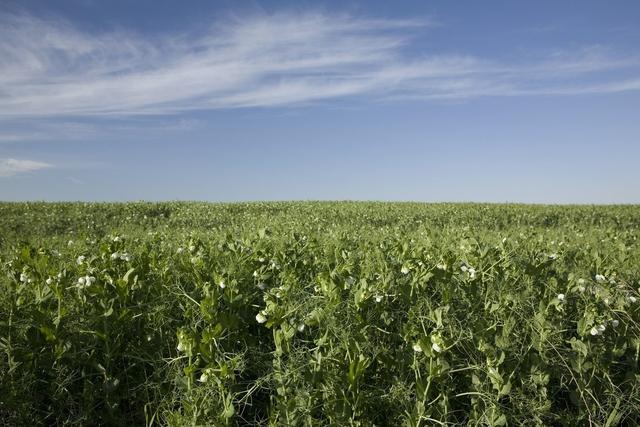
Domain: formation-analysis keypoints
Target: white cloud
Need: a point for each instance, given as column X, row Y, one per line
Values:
column 50, row 68
column 10, row 167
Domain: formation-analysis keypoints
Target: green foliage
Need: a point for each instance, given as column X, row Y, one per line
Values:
column 360, row 314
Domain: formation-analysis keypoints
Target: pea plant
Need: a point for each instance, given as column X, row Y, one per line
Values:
column 319, row 313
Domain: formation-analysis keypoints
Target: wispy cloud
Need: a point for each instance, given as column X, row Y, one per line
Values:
column 50, row 68
column 10, row 167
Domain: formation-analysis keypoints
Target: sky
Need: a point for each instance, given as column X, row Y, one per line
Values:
column 501, row 101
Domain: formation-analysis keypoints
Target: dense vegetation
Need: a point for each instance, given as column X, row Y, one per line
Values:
column 359, row 314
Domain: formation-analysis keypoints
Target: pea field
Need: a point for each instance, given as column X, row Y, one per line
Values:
column 319, row 314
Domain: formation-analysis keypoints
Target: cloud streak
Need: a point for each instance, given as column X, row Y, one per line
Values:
column 10, row 167
column 50, row 68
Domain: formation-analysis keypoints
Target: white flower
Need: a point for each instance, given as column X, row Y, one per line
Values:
column 255, row 273
column 553, row 256
column 594, row 331
column 204, row 377
column 262, row 286
column 70, row 242
column 581, row 281
column 116, row 239
column 632, row 299
column 581, row 288
column 615, row 323
column 261, row 318
column 80, row 259
column 600, row 278
column 436, row 348
column 441, row 266
column 300, row 327
column 417, row 348
column 179, row 250
column 222, row 285
column 472, row 272
column 23, row 277
column 606, row 301
column 561, row 297
column 115, row 255
column 404, row 270
column 125, row 257
column 192, row 248
column 601, row 329
column 86, row 281
column 48, row 281
column 378, row 298
column 261, row 259
column 180, row 346
column 464, row 268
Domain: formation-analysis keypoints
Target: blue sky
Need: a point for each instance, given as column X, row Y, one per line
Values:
column 224, row 101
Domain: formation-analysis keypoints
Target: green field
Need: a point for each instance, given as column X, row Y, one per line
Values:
column 319, row 313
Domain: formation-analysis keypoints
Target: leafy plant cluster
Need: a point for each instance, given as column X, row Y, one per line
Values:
column 319, row 313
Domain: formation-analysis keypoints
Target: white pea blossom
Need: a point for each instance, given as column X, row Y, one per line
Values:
column 301, row 327
column 179, row 250
column 80, row 259
column 615, row 323
column 23, row 277
column 70, row 242
column 633, row 299
column 180, row 346
column 86, row 281
column 594, row 331
column 601, row 329
column 553, row 256
column 600, row 278
column 192, row 248
column 262, row 286
column 472, row 272
column 261, row 318
column 222, row 284
column 560, row 297
column 48, row 281
column 115, row 255
column 125, row 257
column 203, row 377
column 464, row 268
column 417, row 348
column 404, row 270
column 581, row 288
column 436, row 348
column 581, row 281
column 378, row 298
column 255, row 273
